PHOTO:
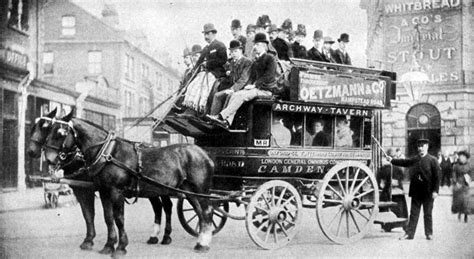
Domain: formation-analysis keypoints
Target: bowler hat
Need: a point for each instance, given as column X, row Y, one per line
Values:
column 209, row 27
column 344, row 38
column 260, row 37
column 263, row 21
column 422, row 141
column 235, row 24
column 250, row 28
column 235, row 44
column 287, row 26
column 328, row 40
column 273, row 28
column 186, row 52
column 318, row 34
column 301, row 30
column 196, row 49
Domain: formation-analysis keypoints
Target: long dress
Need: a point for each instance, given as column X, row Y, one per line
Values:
column 461, row 196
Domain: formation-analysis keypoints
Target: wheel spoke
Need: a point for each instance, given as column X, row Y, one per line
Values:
column 334, row 190
column 367, row 205
column 275, row 233
column 184, row 210
column 265, row 217
column 264, row 222
column 355, row 179
column 266, row 202
column 217, row 214
column 280, row 199
column 290, row 222
column 339, row 224
column 347, row 223
column 282, row 228
column 335, row 217
column 355, row 222
column 197, row 227
column 214, row 223
column 273, row 196
column 360, row 184
column 333, row 201
column 340, row 183
column 189, row 220
column 260, row 208
column 268, row 231
column 360, row 213
column 288, row 201
column 347, row 179
column 365, row 193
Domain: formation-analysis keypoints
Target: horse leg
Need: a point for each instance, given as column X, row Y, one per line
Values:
column 118, row 209
column 105, row 197
column 156, row 205
column 86, row 197
column 205, row 232
column 167, row 207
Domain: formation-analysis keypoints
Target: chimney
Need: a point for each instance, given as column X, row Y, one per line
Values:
column 110, row 15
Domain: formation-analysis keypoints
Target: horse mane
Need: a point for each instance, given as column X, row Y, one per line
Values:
column 101, row 128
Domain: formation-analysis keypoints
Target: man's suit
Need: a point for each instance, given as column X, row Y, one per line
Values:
column 239, row 76
column 329, row 55
column 316, row 55
column 215, row 56
column 321, row 139
column 299, row 51
column 283, row 49
column 424, row 181
column 342, row 57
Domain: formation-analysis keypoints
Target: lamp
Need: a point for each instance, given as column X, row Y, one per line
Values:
column 415, row 80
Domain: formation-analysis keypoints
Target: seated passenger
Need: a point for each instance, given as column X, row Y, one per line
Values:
column 281, row 135
column 238, row 77
column 262, row 82
column 212, row 60
column 343, row 136
column 320, row 137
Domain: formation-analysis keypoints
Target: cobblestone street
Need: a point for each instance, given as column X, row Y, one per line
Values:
column 30, row 231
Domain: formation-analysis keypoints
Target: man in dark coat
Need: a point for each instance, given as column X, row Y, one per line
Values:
column 299, row 51
column 424, row 188
column 262, row 82
column 341, row 56
column 238, row 77
column 321, row 139
column 328, row 51
column 446, row 169
column 281, row 43
column 316, row 52
column 214, row 55
column 236, row 29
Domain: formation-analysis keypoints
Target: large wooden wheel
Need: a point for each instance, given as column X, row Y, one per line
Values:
column 347, row 202
column 273, row 214
column 190, row 220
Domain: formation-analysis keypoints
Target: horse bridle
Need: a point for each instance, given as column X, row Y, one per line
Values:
column 63, row 152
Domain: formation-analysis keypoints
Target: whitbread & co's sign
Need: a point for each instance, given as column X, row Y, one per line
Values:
column 334, row 89
column 439, row 33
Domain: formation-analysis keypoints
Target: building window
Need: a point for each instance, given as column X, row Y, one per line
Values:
column 95, row 62
column 48, row 63
column 18, row 14
column 104, row 120
column 129, row 96
column 68, row 25
column 143, row 105
column 129, row 67
column 145, row 72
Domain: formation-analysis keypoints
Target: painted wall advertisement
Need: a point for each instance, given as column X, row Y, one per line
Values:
column 428, row 30
column 331, row 88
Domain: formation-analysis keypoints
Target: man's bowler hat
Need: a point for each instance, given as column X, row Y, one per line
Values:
column 235, row 44
column 235, row 24
column 250, row 28
column 263, row 21
column 318, row 34
column 186, row 52
column 344, row 38
column 301, row 30
column 273, row 28
column 209, row 27
column 260, row 37
column 328, row 40
column 422, row 141
column 196, row 49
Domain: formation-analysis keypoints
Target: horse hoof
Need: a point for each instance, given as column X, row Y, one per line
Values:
column 120, row 252
column 166, row 240
column 87, row 245
column 152, row 241
column 107, row 250
column 201, row 249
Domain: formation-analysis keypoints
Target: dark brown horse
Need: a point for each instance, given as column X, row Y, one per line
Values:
column 73, row 166
column 117, row 164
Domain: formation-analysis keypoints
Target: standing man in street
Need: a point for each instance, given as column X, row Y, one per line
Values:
column 424, row 188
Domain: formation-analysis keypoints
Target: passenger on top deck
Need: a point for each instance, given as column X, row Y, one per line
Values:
column 236, row 30
column 248, row 51
column 281, row 43
column 238, row 77
column 262, row 82
column 344, row 133
column 316, row 52
column 341, row 55
column 299, row 51
column 212, row 60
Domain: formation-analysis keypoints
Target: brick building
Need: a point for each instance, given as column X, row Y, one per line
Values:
column 430, row 44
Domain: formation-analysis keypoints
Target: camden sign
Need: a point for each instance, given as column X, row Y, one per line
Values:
column 333, row 89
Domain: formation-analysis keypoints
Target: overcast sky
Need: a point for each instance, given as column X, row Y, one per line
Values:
column 171, row 25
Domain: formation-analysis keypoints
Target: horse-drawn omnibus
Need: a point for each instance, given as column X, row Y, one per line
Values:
column 317, row 148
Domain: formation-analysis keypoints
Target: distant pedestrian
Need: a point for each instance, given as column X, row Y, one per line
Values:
column 424, row 188
column 446, row 169
column 463, row 175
